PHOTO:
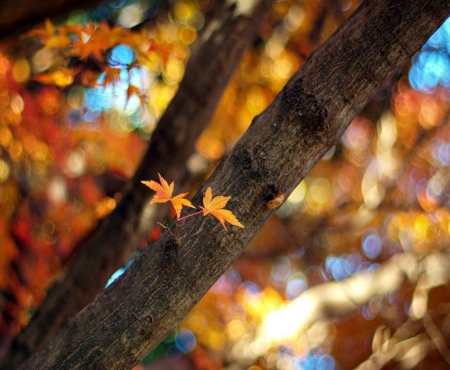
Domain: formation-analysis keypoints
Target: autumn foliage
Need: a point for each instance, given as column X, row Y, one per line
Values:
column 93, row 41
column 381, row 191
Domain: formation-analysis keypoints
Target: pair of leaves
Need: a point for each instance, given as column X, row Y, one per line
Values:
column 211, row 205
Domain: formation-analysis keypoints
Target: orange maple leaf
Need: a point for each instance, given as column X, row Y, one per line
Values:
column 164, row 194
column 83, row 50
column 215, row 207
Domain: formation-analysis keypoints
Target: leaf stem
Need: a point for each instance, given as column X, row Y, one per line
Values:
column 192, row 214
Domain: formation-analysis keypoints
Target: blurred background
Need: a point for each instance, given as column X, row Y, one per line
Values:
column 354, row 267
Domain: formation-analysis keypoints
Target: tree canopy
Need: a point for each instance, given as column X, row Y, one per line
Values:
column 351, row 267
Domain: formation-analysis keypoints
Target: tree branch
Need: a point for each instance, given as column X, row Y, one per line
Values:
column 282, row 144
column 214, row 58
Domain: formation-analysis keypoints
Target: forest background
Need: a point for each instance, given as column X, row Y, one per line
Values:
column 373, row 212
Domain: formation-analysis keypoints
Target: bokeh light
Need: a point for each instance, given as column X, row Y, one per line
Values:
column 372, row 246
column 431, row 66
column 70, row 139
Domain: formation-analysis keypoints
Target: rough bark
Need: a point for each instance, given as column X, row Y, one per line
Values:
column 213, row 60
column 282, row 144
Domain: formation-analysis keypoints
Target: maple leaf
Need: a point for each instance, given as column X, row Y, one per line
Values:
column 164, row 194
column 92, row 40
column 215, row 206
column 84, row 49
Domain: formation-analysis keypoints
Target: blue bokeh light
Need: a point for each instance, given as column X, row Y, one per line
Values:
column 372, row 246
column 185, row 341
column 281, row 270
column 313, row 362
column 431, row 66
column 343, row 266
column 441, row 152
column 121, row 55
column 295, row 287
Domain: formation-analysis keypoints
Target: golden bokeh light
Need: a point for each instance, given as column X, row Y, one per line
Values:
column 69, row 141
column 21, row 70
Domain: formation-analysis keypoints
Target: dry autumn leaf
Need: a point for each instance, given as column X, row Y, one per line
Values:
column 164, row 194
column 215, row 207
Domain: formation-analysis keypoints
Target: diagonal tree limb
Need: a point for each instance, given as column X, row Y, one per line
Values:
column 213, row 60
column 281, row 146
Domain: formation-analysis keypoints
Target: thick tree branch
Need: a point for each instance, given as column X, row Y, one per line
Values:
column 283, row 143
column 214, row 58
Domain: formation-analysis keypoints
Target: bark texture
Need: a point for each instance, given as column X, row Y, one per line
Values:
column 213, row 60
column 282, row 144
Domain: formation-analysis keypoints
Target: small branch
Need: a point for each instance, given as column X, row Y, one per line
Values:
column 192, row 214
